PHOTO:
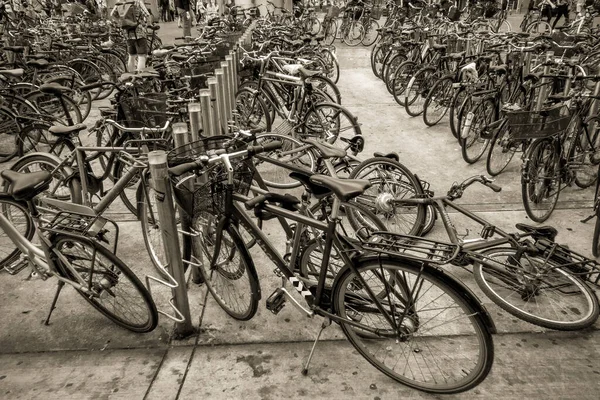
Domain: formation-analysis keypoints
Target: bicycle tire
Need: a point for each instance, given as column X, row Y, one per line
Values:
column 9, row 127
column 524, row 282
column 330, row 33
column 354, row 34
column 129, row 193
column 377, row 57
column 371, row 33
column 89, row 72
column 83, row 99
column 327, row 86
column 539, row 27
column 402, row 77
column 36, row 138
column 438, row 101
column 417, row 91
column 276, row 176
column 333, row 66
column 596, row 237
column 204, row 244
column 112, row 275
column 457, row 101
column 252, row 111
column 540, row 180
column 329, row 122
column 587, row 155
column 501, row 152
column 51, row 107
column 20, row 218
column 469, row 330
column 472, row 141
column 390, row 70
column 390, row 181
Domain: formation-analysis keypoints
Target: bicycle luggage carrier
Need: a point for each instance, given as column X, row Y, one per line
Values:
column 412, row 247
column 577, row 264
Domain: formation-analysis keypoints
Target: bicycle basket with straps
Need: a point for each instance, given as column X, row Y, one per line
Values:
column 538, row 124
column 208, row 193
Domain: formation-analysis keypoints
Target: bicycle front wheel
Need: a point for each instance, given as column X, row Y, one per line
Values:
column 19, row 217
column 114, row 290
column 430, row 338
column 354, row 34
column 330, row 122
column 540, row 181
column 252, row 111
column 227, row 268
column 535, row 290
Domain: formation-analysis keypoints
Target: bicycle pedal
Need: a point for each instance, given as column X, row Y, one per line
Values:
column 16, row 266
column 276, row 301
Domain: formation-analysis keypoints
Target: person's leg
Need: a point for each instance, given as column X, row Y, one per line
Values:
column 142, row 51
column 131, row 55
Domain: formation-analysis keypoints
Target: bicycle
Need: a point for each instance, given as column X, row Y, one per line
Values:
column 71, row 250
column 380, row 299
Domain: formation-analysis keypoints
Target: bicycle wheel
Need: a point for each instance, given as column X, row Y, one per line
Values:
column 115, row 291
column 312, row 25
column 391, row 182
column 252, row 112
column 330, row 122
column 292, row 152
column 52, row 107
column 438, row 101
column 36, row 138
column 129, row 193
column 109, row 73
column 533, row 289
column 504, row 27
column 457, row 101
column 539, row 28
column 355, row 34
column 402, row 77
column 501, row 152
column 390, row 70
column 540, row 182
column 596, row 237
column 371, row 33
column 474, row 139
column 377, row 56
column 327, row 86
column 586, row 153
column 89, row 72
column 330, row 32
column 417, row 91
column 229, row 275
column 333, row 67
column 19, row 217
column 438, row 341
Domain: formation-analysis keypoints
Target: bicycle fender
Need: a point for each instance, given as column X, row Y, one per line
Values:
column 460, row 288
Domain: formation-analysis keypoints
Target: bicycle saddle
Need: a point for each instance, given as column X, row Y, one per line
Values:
column 327, row 150
column 499, row 69
column 61, row 46
column 537, row 232
column 391, row 155
column 62, row 130
column 344, row 189
column 304, row 178
column 15, row 73
column 25, row 186
column 38, row 64
column 14, row 49
column 54, row 88
column 153, row 27
column 439, row 47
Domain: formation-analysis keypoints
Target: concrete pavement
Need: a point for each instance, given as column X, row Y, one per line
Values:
column 83, row 356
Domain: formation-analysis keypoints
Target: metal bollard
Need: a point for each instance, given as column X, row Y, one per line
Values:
column 227, row 88
column 207, row 113
column 216, row 106
column 168, row 226
column 221, row 100
column 236, row 70
column 195, row 120
column 232, row 74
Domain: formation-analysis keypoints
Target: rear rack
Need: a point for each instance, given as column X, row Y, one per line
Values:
column 412, row 247
column 577, row 264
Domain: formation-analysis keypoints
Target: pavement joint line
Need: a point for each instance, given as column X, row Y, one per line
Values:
column 158, row 368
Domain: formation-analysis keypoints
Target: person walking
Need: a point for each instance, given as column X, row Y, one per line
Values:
column 133, row 18
column 562, row 9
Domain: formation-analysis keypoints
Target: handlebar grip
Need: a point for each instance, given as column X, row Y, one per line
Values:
column 250, row 204
column 183, row 168
column 286, row 53
column 94, row 85
column 494, row 187
column 252, row 150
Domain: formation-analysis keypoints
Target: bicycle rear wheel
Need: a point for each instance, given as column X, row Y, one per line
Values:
column 474, row 139
column 18, row 215
column 116, row 292
column 437, row 341
column 501, row 152
column 533, row 289
column 230, row 274
column 540, row 181
column 330, row 122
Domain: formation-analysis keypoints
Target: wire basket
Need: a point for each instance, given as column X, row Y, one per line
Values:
column 376, row 13
column 148, row 109
column 538, row 124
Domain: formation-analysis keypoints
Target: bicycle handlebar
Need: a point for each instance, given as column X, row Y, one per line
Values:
column 138, row 130
column 224, row 157
column 457, row 190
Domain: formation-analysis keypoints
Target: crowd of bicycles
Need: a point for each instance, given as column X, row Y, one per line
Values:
column 356, row 250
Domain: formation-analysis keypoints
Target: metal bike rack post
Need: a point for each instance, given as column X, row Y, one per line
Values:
column 207, row 113
column 216, row 106
column 232, row 79
column 227, row 88
column 168, row 226
column 221, row 99
column 195, row 120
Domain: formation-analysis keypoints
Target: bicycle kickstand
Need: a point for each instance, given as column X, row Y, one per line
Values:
column 61, row 284
column 324, row 325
